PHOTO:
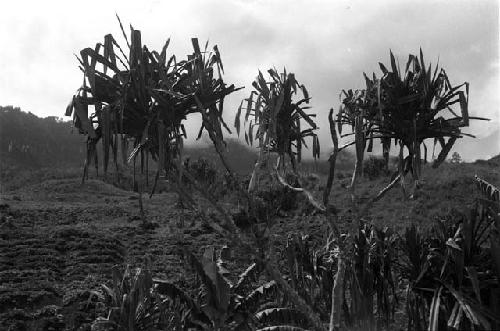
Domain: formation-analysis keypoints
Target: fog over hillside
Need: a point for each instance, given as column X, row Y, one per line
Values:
column 328, row 46
column 30, row 141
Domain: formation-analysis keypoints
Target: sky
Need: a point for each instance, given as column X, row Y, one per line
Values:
column 327, row 44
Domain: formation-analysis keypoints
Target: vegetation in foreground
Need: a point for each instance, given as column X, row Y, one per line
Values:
column 80, row 243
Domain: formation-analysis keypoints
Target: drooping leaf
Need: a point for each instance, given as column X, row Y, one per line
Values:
column 304, row 91
column 282, row 328
column 237, row 122
column 393, row 64
column 282, row 316
column 258, row 296
column 434, row 310
column 250, row 275
column 383, row 68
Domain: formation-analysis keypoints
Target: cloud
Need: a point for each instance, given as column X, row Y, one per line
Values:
column 327, row 44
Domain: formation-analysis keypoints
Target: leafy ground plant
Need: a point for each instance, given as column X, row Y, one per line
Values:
column 134, row 305
column 223, row 304
column 453, row 272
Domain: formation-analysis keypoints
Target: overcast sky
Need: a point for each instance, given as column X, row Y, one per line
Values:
column 327, row 44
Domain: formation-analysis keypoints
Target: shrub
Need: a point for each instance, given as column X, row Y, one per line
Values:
column 374, row 167
column 267, row 204
column 202, row 170
column 206, row 174
column 456, row 158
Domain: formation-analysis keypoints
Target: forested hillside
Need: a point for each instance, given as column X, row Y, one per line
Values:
column 28, row 141
column 32, row 142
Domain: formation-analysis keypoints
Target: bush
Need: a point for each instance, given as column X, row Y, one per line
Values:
column 310, row 181
column 374, row 167
column 218, row 182
column 202, row 170
column 279, row 198
column 456, row 158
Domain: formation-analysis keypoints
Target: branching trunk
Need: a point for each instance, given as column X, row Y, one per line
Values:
column 309, row 196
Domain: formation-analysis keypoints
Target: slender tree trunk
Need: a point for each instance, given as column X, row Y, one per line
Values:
column 141, row 205
column 445, row 149
column 386, row 147
column 293, row 162
column 256, row 170
column 255, row 173
column 332, row 160
column 416, row 157
column 337, row 295
column 360, row 146
column 401, row 168
column 180, row 144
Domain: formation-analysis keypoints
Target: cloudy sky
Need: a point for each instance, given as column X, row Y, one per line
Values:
column 327, row 44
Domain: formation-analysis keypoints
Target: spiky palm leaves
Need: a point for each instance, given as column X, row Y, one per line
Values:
column 146, row 96
column 134, row 303
column 362, row 288
column 451, row 271
column 310, row 273
column 369, row 277
column 277, row 117
column 409, row 107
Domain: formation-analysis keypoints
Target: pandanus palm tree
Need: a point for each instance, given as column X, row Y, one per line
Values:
column 146, row 97
column 279, row 118
column 409, row 107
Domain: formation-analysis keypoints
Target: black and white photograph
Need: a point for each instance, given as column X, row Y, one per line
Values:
column 240, row 165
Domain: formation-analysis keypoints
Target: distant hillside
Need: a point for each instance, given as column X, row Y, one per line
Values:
column 28, row 141
column 240, row 157
column 475, row 148
column 494, row 161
